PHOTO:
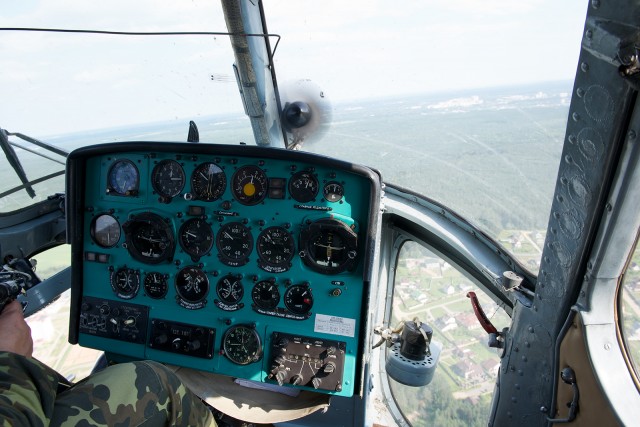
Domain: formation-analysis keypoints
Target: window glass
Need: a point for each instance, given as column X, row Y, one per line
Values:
column 433, row 290
column 630, row 308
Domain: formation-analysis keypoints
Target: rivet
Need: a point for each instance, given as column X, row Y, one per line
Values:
column 514, row 400
column 589, row 34
column 543, row 409
column 609, row 207
column 631, row 134
column 563, row 181
column 575, row 117
column 580, row 92
column 530, row 329
column 524, row 358
column 584, row 67
column 607, row 346
column 527, row 344
column 560, row 198
column 595, row 3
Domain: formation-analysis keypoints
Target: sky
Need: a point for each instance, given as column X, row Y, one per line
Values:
column 59, row 83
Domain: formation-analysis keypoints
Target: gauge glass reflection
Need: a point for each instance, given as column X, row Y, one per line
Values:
column 242, row 345
column 249, row 185
column 105, row 230
column 208, row 182
column 123, row 178
column 167, row 178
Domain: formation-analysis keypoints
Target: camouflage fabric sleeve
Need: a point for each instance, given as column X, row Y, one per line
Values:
column 27, row 391
column 142, row 393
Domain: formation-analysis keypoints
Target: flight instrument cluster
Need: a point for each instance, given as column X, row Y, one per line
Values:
column 246, row 261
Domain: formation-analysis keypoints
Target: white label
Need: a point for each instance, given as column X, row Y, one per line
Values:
column 335, row 325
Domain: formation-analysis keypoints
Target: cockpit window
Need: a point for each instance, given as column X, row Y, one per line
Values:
column 433, row 291
column 629, row 304
column 464, row 102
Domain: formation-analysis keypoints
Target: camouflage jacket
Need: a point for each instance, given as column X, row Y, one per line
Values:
column 28, row 390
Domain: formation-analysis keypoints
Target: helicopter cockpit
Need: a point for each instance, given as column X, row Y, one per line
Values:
column 395, row 231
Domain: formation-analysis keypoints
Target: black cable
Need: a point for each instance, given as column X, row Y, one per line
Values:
column 143, row 33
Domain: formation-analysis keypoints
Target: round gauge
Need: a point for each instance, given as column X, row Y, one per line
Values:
column 167, row 178
column 275, row 247
column 192, row 285
column 298, row 299
column 155, row 285
column 235, row 243
column 196, row 237
column 249, row 185
column 208, row 182
column 230, row 289
column 242, row 344
column 333, row 191
column 149, row 238
column 105, row 230
column 328, row 246
column 265, row 294
column 125, row 282
column 123, row 178
column 303, row 186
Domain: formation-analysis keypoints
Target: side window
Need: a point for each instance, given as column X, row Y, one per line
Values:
column 629, row 299
column 50, row 326
column 433, row 290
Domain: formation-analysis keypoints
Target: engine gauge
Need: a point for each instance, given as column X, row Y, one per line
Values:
column 196, row 237
column 303, row 186
column 155, row 285
column 125, row 282
column 192, row 286
column 168, row 178
column 208, row 182
column 123, row 178
column 105, row 230
column 249, row 185
column 230, row 289
column 235, row 243
column 265, row 294
column 242, row 345
column 298, row 299
column 149, row 238
column 333, row 191
column 275, row 249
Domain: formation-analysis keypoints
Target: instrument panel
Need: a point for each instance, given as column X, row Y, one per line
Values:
column 245, row 261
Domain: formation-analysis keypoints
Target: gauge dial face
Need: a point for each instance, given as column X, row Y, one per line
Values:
column 275, row 248
column 155, row 285
column 123, row 178
column 149, row 238
column 298, row 299
column 168, row 178
column 242, row 345
column 333, row 191
column 196, row 237
column 230, row 289
column 265, row 294
column 249, row 185
column 235, row 243
column 303, row 186
column 125, row 282
column 105, row 230
column 329, row 246
column 192, row 285
column 208, row 182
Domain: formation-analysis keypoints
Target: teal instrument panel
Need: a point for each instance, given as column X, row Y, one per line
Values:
column 245, row 261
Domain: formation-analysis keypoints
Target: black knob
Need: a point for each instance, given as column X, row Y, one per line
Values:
column 161, row 339
column 176, row 344
column 297, row 379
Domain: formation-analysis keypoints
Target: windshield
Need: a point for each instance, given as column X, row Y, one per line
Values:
column 464, row 102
